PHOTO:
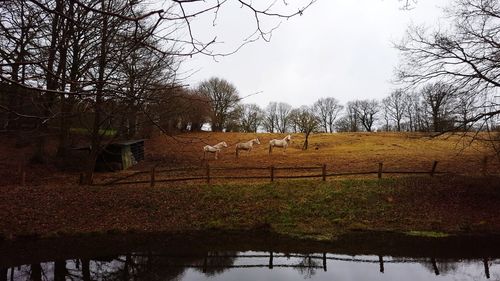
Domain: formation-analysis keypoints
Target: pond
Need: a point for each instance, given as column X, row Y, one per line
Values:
column 254, row 256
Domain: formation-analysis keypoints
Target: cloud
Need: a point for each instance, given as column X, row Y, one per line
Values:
column 337, row 48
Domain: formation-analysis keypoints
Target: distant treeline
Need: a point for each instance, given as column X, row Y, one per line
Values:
column 436, row 107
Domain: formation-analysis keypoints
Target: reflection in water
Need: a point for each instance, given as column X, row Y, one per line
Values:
column 230, row 265
column 216, row 262
column 358, row 257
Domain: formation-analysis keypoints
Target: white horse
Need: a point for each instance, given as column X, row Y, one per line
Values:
column 280, row 143
column 246, row 146
column 214, row 149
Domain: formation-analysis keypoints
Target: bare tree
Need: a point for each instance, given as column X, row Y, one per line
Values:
column 223, row 98
column 343, row 124
column 234, row 119
column 92, row 63
column 307, row 122
column 178, row 109
column 395, row 107
column 294, row 120
column 271, row 117
column 366, row 111
column 252, row 116
column 464, row 55
column 466, row 107
column 410, row 101
column 20, row 26
column 327, row 110
column 438, row 99
column 352, row 117
column 283, row 116
column 387, row 118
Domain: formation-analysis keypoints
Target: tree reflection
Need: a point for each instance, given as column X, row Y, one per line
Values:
column 216, row 262
column 307, row 266
column 441, row 267
column 3, row 273
column 85, row 270
column 171, row 266
column 60, row 271
column 36, row 272
column 139, row 267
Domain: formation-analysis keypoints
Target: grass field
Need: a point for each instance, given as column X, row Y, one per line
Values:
column 342, row 152
column 422, row 206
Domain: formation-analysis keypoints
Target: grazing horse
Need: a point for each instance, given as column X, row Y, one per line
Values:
column 213, row 149
column 246, row 146
column 280, row 143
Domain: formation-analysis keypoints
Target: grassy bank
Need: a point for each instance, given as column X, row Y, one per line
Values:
column 305, row 209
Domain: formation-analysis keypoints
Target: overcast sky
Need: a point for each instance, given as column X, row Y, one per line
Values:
column 338, row 48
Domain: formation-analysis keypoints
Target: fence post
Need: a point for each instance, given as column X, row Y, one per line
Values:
column 208, row 173
column 270, row 260
column 380, row 165
column 485, row 166
column 323, row 172
column 272, row 173
column 486, row 268
column 152, row 183
column 324, row 262
column 434, row 266
column 434, row 168
column 381, row 263
column 205, row 262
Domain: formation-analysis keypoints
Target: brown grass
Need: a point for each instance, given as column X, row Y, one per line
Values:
column 299, row 208
column 342, row 152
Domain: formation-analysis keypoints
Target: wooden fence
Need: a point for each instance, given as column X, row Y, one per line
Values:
column 207, row 174
column 151, row 176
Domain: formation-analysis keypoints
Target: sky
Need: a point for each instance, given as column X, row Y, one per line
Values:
column 337, row 48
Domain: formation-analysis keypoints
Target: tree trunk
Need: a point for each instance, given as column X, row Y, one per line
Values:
column 60, row 271
column 52, row 78
column 126, row 267
column 36, row 272
column 86, row 270
column 196, row 127
column 95, row 143
column 64, row 146
column 67, row 103
column 132, row 124
column 306, row 141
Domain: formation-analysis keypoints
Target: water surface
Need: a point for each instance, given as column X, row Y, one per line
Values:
column 251, row 257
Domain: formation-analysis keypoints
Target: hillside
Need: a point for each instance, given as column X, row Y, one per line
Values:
column 343, row 152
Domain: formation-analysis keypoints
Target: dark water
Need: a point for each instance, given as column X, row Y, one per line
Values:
column 251, row 257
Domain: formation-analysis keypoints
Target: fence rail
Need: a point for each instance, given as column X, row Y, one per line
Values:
column 208, row 176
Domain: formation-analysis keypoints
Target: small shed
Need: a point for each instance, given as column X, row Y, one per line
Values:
column 120, row 155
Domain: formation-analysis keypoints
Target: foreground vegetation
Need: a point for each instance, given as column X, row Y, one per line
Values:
column 304, row 209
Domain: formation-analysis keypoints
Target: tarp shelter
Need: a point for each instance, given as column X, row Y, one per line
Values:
column 119, row 155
